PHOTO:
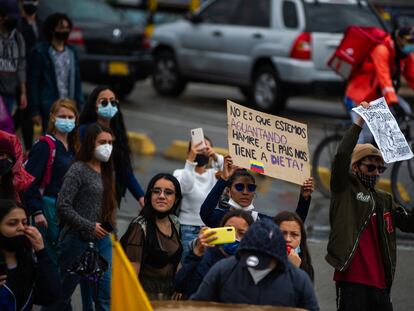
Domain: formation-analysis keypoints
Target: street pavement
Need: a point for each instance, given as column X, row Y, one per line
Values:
column 166, row 119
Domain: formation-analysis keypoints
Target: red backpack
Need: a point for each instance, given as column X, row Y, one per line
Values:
column 354, row 48
column 50, row 140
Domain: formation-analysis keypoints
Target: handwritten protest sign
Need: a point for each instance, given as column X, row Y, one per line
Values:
column 387, row 134
column 274, row 146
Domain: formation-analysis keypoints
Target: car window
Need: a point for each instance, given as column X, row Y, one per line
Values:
column 290, row 14
column 253, row 13
column 327, row 17
column 219, row 12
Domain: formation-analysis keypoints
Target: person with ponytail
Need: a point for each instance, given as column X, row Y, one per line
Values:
column 85, row 202
column 152, row 241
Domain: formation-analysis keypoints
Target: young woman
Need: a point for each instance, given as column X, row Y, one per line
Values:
column 85, row 203
column 152, row 241
column 295, row 236
column 203, row 256
column 103, row 107
column 62, row 139
column 196, row 181
column 242, row 189
column 27, row 275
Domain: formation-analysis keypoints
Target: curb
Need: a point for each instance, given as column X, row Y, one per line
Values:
column 177, row 150
column 139, row 143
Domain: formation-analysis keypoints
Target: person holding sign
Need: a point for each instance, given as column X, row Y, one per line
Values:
column 242, row 189
column 362, row 241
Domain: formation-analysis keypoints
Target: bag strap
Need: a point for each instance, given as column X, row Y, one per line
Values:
column 50, row 140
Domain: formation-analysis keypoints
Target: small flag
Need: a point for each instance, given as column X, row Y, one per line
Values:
column 256, row 166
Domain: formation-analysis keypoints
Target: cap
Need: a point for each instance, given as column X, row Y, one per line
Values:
column 255, row 260
column 365, row 150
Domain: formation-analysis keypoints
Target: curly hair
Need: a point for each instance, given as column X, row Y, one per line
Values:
column 52, row 21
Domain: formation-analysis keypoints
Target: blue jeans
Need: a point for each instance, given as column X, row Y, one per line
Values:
column 71, row 247
column 188, row 233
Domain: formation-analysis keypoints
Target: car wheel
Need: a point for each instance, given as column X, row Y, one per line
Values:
column 267, row 91
column 123, row 89
column 166, row 78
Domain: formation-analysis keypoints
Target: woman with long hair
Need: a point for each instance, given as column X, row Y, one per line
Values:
column 152, row 241
column 86, row 203
column 103, row 107
column 27, row 274
column 48, row 162
column 294, row 232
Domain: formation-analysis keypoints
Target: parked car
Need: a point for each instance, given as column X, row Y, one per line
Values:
column 111, row 49
column 270, row 49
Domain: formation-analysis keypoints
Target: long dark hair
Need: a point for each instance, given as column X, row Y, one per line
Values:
column 51, row 22
column 121, row 151
column 306, row 264
column 86, row 154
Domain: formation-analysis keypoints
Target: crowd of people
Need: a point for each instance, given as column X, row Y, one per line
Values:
column 62, row 203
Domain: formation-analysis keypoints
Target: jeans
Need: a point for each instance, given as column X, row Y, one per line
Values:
column 71, row 247
column 188, row 233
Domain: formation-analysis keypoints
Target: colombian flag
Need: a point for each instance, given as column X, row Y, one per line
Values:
column 256, row 166
column 126, row 291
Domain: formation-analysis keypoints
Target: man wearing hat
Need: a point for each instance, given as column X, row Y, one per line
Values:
column 362, row 242
column 259, row 274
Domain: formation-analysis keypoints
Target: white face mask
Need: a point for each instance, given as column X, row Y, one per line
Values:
column 103, row 152
column 235, row 205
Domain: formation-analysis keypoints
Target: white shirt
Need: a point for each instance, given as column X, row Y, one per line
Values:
column 195, row 187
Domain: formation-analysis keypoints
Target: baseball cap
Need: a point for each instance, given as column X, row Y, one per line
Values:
column 365, row 150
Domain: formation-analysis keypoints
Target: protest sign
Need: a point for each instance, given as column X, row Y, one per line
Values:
column 387, row 134
column 270, row 145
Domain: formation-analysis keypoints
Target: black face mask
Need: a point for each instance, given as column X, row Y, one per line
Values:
column 30, row 8
column 15, row 243
column 5, row 166
column 201, row 159
column 61, row 35
column 161, row 215
column 9, row 24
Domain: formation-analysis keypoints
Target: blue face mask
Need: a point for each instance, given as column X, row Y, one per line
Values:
column 297, row 250
column 231, row 248
column 408, row 48
column 64, row 125
column 107, row 112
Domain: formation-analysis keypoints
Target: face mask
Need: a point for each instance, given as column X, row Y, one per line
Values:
column 201, row 159
column 103, row 152
column 61, row 35
column 9, row 24
column 107, row 112
column 15, row 243
column 367, row 181
column 408, row 48
column 5, row 166
column 236, row 205
column 30, row 8
column 64, row 125
column 231, row 248
column 297, row 250
column 161, row 215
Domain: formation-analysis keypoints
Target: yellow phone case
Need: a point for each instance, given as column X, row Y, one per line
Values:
column 224, row 235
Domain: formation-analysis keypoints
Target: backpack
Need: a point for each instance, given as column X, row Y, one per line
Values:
column 354, row 48
column 50, row 140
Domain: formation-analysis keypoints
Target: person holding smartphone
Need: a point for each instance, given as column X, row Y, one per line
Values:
column 27, row 274
column 196, row 181
column 85, row 202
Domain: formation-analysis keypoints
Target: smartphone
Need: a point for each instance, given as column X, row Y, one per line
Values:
column 197, row 136
column 107, row 226
column 224, row 235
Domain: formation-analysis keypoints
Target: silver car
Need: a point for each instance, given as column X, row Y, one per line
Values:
column 270, row 49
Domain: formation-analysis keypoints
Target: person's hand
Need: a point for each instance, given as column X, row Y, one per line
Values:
column 23, row 101
column 34, row 237
column 3, row 279
column 359, row 120
column 307, row 188
column 40, row 220
column 228, row 167
column 37, row 120
column 99, row 232
column 203, row 241
column 294, row 258
column 211, row 153
column 194, row 150
column 176, row 296
column 141, row 201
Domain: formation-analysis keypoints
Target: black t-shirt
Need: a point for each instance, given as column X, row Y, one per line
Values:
column 20, row 285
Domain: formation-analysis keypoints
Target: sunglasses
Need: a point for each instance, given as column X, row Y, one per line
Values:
column 167, row 192
column 240, row 187
column 372, row 167
column 105, row 102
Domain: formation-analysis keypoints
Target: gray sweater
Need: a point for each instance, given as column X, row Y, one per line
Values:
column 79, row 203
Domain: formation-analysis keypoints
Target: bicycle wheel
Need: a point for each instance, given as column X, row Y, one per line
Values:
column 402, row 183
column 322, row 162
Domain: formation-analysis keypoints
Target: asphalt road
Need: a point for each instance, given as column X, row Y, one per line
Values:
column 165, row 119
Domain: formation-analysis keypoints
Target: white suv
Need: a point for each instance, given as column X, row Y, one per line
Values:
column 270, row 49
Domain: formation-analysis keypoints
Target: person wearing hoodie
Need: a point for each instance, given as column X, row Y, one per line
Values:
column 259, row 274
column 241, row 187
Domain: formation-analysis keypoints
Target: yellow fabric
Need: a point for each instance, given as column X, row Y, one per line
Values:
column 126, row 291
